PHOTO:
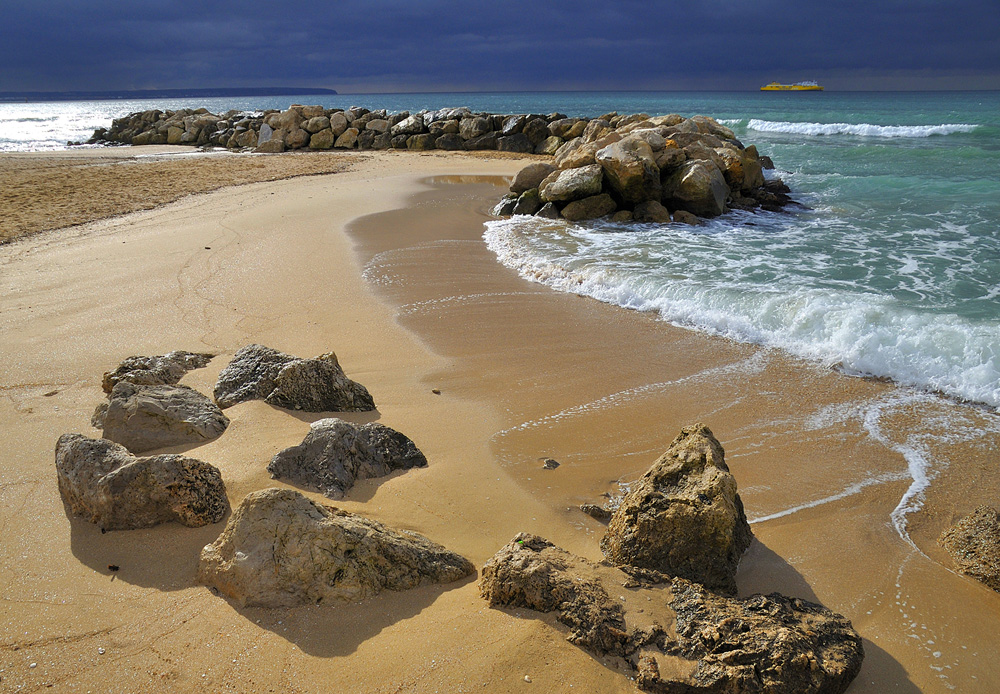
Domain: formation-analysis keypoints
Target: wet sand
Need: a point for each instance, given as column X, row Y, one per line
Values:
column 387, row 268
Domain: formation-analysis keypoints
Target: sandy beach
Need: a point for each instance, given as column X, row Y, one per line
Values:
column 379, row 257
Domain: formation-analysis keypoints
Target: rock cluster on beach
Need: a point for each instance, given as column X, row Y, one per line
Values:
column 664, row 600
column 676, row 635
column 279, row 549
column 635, row 166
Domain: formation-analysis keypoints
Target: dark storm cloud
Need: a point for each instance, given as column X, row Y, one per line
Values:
column 446, row 44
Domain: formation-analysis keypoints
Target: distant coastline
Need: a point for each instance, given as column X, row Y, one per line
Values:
column 161, row 94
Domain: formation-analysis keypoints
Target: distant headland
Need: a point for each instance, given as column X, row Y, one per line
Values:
column 163, row 94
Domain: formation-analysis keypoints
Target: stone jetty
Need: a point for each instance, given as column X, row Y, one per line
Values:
column 634, row 166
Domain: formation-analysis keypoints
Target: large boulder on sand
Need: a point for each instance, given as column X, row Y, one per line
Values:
column 280, row 549
column 101, row 481
column 572, row 184
column 335, row 453
column 683, row 517
column 314, row 385
column 675, row 635
column 697, row 187
column 974, row 544
column 166, row 369
column 142, row 418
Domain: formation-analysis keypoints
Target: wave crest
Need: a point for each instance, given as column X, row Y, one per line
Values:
column 860, row 129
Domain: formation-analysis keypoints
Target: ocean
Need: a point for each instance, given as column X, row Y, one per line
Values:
column 888, row 266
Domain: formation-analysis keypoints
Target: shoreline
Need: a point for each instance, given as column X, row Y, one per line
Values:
column 528, row 372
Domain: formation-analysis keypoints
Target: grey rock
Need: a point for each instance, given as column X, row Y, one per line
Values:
column 549, row 211
column 314, row 385
column 487, row 141
column 573, row 184
column 536, row 129
column 142, row 418
column 101, row 481
column 513, row 125
column 338, row 124
column 683, row 517
column 335, row 453
column 549, row 146
column 280, row 549
column 471, row 128
column 529, row 202
column 379, row 125
column 530, row 177
column 450, row 141
column 515, row 143
column 412, row 125
column 166, row 369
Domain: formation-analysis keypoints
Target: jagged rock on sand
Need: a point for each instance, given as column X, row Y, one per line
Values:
column 280, row 549
column 143, row 418
column 101, row 481
column 673, row 634
column 974, row 544
column 313, row 385
column 335, row 453
column 683, row 517
column 166, row 369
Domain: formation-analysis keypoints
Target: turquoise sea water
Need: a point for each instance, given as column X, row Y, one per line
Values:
column 890, row 266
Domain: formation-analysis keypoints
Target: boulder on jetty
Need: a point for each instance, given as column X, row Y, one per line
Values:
column 280, row 549
column 166, row 369
column 101, row 481
column 683, row 517
column 974, row 544
column 142, row 418
column 313, row 385
column 675, row 635
column 335, row 453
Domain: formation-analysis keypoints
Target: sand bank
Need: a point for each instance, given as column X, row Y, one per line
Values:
column 525, row 373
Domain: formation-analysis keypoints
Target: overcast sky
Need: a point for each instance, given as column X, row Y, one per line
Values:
column 448, row 45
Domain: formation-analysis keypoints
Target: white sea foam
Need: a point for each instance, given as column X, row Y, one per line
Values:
column 864, row 333
column 860, row 129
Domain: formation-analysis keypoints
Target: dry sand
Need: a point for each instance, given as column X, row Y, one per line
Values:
column 524, row 372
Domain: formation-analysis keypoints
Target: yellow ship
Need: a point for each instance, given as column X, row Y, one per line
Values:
column 797, row 87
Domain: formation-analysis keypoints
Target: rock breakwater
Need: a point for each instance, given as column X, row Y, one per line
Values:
column 635, row 166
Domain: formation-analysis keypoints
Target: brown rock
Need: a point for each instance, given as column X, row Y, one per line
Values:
column 683, row 517
column 101, row 481
column 280, row 549
column 974, row 544
column 673, row 635
column 589, row 208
